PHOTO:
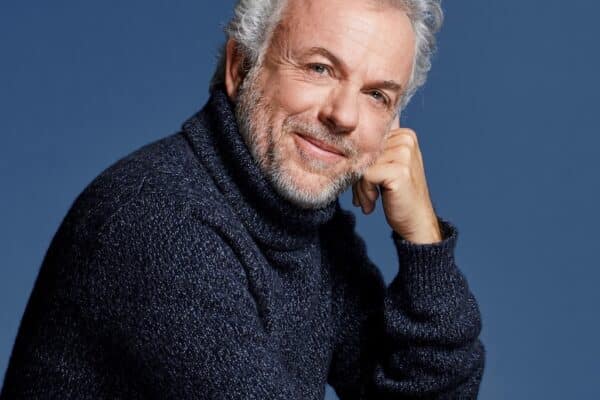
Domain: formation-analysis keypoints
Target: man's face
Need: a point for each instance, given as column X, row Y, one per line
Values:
column 329, row 76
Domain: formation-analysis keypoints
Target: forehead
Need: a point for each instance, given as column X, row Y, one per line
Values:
column 368, row 36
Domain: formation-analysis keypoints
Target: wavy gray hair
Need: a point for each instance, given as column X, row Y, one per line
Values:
column 254, row 21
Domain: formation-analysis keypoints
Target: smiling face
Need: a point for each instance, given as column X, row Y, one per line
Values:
column 316, row 112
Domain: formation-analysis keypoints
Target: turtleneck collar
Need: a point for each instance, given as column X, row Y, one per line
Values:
column 272, row 220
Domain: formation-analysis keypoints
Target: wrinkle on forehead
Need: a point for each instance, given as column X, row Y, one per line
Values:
column 357, row 35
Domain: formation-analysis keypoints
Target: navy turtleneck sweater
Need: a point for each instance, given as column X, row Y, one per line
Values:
column 179, row 273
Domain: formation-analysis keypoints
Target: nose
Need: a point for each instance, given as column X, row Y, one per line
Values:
column 340, row 110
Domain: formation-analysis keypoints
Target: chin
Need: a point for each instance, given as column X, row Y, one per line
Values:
column 305, row 189
column 313, row 190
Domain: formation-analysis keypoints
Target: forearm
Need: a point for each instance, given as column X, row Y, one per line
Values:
column 417, row 337
column 431, row 324
column 428, row 234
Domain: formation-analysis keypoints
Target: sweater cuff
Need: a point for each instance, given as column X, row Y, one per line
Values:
column 427, row 264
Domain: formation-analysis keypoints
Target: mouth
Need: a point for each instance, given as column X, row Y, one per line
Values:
column 318, row 147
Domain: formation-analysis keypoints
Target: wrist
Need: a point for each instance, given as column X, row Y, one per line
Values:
column 428, row 232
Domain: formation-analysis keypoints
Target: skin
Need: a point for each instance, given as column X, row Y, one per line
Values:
column 326, row 76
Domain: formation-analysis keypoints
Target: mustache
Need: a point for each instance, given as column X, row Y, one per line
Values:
column 323, row 134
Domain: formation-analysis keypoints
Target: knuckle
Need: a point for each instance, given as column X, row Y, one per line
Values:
column 411, row 132
column 403, row 171
column 404, row 152
column 411, row 136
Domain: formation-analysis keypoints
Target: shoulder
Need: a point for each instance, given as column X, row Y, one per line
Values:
column 165, row 171
column 166, row 167
column 149, row 239
column 149, row 225
column 151, row 259
column 160, row 185
column 150, row 235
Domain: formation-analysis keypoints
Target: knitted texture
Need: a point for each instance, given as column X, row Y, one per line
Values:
column 179, row 273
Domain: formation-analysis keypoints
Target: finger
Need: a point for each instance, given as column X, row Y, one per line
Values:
column 368, row 194
column 396, row 122
column 399, row 153
column 386, row 175
column 402, row 136
column 362, row 199
column 370, row 190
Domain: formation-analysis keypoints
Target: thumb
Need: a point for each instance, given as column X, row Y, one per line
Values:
column 396, row 122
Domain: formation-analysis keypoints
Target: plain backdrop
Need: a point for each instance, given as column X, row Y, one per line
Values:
column 507, row 126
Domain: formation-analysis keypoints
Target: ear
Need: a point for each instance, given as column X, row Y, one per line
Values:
column 234, row 61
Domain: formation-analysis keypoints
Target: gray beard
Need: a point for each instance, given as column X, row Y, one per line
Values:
column 258, row 135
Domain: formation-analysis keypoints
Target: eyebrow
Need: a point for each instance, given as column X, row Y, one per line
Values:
column 386, row 84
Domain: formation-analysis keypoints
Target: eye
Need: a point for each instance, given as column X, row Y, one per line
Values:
column 319, row 69
column 377, row 95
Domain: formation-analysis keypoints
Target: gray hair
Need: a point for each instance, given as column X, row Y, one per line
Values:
column 254, row 21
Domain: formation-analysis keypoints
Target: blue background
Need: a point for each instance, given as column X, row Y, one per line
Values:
column 507, row 125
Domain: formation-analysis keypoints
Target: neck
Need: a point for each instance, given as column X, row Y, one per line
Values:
column 272, row 220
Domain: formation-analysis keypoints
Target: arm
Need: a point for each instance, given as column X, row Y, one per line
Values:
column 161, row 310
column 415, row 339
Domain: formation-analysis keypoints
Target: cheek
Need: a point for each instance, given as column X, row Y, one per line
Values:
column 294, row 95
column 371, row 140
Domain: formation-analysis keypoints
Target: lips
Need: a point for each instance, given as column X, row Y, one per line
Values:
column 322, row 145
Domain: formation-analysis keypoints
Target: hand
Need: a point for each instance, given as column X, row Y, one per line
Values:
column 400, row 176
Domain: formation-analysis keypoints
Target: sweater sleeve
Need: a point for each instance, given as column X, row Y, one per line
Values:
column 162, row 309
column 414, row 339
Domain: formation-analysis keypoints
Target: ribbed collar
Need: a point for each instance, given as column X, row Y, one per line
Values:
column 271, row 219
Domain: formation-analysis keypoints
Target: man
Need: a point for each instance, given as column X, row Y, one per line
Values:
column 217, row 263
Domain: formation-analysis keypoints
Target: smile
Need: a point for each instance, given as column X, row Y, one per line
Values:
column 317, row 149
